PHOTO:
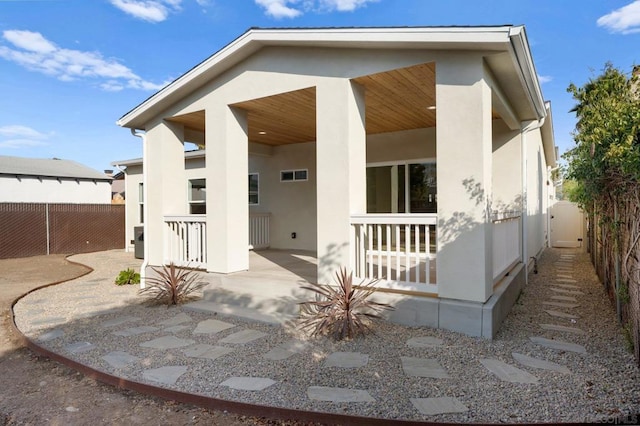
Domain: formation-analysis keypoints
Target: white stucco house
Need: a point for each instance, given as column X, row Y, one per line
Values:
column 417, row 155
column 51, row 180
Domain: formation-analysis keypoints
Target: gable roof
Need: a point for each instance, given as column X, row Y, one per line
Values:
column 506, row 38
column 48, row 167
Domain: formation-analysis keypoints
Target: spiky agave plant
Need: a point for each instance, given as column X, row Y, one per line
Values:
column 343, row 311
column 171, row 285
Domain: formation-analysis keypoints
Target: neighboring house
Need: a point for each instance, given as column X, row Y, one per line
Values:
column 45, row 180
column 419, row 155
column 117, row 186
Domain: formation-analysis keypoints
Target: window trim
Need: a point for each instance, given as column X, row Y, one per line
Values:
column 293, row 172
column 257, row 193
column 141, row 202
column 190, row 200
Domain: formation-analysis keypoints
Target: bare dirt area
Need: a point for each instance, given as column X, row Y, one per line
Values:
column 35, row 390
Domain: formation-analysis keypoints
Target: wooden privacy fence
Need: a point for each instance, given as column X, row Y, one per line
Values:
column 31, row 229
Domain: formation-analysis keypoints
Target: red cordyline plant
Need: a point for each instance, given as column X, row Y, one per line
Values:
column 171, row 285
column 343, row 311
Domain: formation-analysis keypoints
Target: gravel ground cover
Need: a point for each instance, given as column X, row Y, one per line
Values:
column 90, row 315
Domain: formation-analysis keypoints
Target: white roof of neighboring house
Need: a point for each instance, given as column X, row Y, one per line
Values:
column 510, row 39
column 200, row 153
column 48, row 167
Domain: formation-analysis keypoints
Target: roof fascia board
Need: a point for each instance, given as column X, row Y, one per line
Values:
column 523, row 61
column 253, row 40
column 548, row 138
column 71, row 178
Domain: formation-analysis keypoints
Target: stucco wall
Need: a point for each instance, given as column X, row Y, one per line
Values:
column 507, row 168
column 536, row 192
column 48, row 190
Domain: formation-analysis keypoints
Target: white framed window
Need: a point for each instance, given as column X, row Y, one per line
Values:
column 197, row 196
column 294, row 175
column 141, row 202
column 254, row 189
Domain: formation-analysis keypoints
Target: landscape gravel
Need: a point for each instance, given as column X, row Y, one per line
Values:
column 96, row 322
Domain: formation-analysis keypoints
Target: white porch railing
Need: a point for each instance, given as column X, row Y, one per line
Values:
column 400, row 249
column 186, row 240
column 507, row 247
column 259, row 230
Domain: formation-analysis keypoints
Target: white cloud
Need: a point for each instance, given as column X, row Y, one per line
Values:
column 34, row 52
column 544, row 79
column 148, row 10
column 625, row 20
column 17, row 136
column 295, row 8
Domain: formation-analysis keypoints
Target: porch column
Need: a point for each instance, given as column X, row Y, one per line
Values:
column 464, row 149
column 227, row 174
column 341, row 170
column 164, row 187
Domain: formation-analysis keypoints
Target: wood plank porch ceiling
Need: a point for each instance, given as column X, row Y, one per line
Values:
column 400, row 99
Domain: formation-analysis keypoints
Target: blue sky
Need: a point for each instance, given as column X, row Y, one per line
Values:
column 70, row 68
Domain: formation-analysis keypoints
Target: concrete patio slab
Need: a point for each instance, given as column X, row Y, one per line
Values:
column 559, row 314
column 329, row 394
column 243, row 337
column 206, row 351
column 79, row 347
column 212, row 326
column 435, row 406
column 286, row 350
column 234, row 310
column 346, row 360
column 167, row 342
column 555, row 327
column 558, row 345
column 424, row 342
column 133, row 331
column 165, row 375
column 423, row 367
column 508, row 373
column 181, row 318
column 248, row 383
column 119, row 359
column 529, row 361
column 119, row 321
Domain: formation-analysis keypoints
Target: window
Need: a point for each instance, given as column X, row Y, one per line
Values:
column 197, row 196
column 254, row 185
column 293, row 175
column 402, row 188
column 141, row 202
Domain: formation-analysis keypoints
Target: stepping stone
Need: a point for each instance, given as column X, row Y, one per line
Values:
column 79, row 347
column 211, row 326
column 555, row 327
column 133, row 331
column 176, row 328
column 119, row 359
column 167, row 342
column 559, row 314
column 558, row 345
column 346, row 360
column 206, row 351
column 542, row 364
column 424, row 342
column 566, row 291
column 324, row 393
column 165, row 375
column 561, row 304
column 178, row 319
column 50, row 335
column 508, row 373
column 435, row 406
column 564, row 298
column 565, row 278
column 423, row 367
column 242, row 337
column 248, row 383
column 49, row 321
column 286, row 350
column 119, row 321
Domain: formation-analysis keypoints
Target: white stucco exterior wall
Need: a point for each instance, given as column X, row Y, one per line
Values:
column 26, row 189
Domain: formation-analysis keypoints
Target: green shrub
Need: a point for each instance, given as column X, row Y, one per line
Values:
column 343, row 311
column 128, row 276
column 171, row 285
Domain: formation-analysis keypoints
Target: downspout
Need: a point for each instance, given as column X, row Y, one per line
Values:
column 145, row 211
column 526, row 127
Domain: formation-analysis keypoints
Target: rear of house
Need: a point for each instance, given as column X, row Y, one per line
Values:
column 420, row 156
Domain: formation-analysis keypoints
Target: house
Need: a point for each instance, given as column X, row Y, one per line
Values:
column 420, row 156
column 51, row 180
